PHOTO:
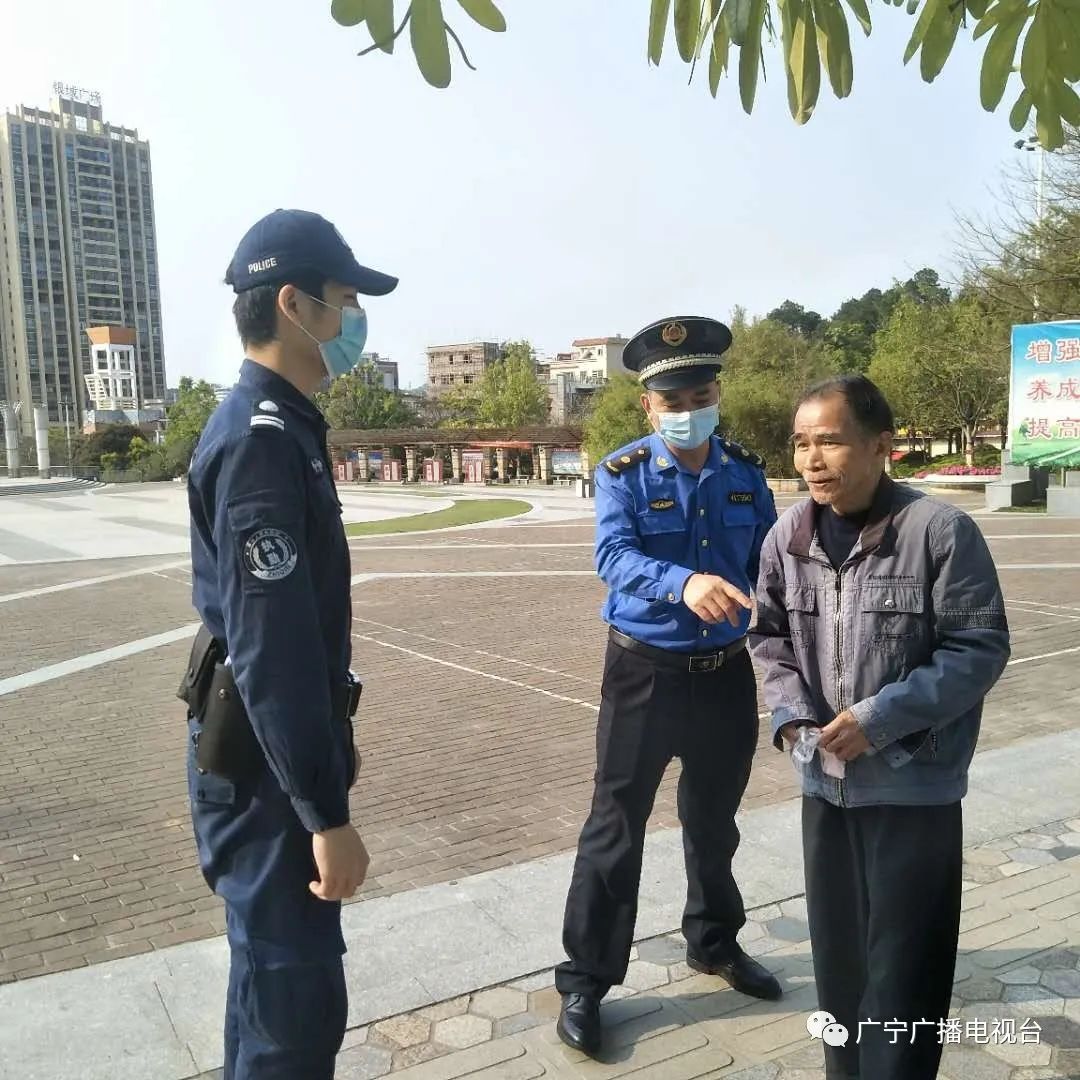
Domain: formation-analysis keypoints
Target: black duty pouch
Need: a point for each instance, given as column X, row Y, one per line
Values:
column 226, row 743
column 195, row 685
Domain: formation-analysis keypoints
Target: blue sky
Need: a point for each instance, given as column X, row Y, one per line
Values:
column 564, row 190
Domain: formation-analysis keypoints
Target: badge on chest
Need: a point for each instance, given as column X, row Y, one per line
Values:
column 740, row 497
column 662, row 504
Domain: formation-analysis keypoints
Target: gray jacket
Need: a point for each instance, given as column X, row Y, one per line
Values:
column 910, row 635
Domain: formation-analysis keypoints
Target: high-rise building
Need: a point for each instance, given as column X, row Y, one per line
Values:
column 77, row 250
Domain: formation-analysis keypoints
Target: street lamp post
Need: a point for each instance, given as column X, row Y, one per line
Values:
column 1032, row 144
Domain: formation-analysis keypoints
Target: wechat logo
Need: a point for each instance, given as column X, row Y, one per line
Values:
column 823, row 1025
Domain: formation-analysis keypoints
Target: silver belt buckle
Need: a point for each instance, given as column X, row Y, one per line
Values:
column 706, row 663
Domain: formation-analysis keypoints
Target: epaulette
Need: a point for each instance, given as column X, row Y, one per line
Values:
column 265, row 414
column 619, row 463
column 735, row 450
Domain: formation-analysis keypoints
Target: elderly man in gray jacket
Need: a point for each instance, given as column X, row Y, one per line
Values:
column 880, row 627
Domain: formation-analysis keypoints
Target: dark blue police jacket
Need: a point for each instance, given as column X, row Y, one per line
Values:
column 270, row 569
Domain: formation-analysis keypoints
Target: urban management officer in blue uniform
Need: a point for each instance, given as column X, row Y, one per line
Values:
column 680, row 519
column 269, row 690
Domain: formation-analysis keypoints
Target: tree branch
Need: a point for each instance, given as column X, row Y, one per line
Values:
column 461, row 48
column 397, row 33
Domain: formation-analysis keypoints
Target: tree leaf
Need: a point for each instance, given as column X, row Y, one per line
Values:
column 658, row 19
column 427, row 31
column 862, row 13
column 1048, row 126
column 718, row 55
column 1002, row 10
column 805, row 63
column 750, row 55
column 1018, row 117
column 790, row 10
column 486, row 14
column 1068, row 103
column 687, row 25
column 347, row 12
column 997, row 62
column 940, row 39
column 380, row 21
column 977, row 8
column 1033, row 58
column 834, row 42
column 738, row 14
column 922, row 25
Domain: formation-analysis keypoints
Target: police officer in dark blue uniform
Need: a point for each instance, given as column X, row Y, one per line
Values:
column 680, row 519
column 269, row 690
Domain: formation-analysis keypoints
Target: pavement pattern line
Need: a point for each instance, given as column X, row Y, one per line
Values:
column 471, row 546
column 1042, row 656
column 1060, row 607
column 1039, row 566
column 444, row 643
column 82, row 583
column 94, row 659
column 474, row 671
column 1053, row 614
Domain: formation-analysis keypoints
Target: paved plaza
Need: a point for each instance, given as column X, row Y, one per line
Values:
column 480, row 649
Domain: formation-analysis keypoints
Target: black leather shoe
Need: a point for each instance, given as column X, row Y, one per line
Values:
column 741, row 972
column 579, row 1023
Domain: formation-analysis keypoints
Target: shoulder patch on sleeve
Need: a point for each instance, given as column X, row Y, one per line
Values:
column 740, row 452
column 619, row 463
column 270, row 554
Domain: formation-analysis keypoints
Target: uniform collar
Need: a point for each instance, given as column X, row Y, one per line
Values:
column 271, row 385
column 664, row 461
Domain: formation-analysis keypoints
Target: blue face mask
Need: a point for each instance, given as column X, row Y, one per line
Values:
column 342, row 353
column 688, row 430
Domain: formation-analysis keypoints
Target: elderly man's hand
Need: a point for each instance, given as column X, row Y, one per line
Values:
column 844, row 737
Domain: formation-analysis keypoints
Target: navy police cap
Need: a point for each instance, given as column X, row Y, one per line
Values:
column 675, row 353
column 288, row 242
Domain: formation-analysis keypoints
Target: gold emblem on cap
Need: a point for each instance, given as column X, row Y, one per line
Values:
column 674, row 334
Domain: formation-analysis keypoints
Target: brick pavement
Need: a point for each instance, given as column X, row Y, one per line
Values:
column 467, row 767
column 1015, row 1009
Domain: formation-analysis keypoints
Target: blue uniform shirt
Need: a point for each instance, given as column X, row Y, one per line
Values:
column 270, row 572
column 657, row 524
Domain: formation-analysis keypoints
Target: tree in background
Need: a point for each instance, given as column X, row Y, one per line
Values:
column 112, row 439
column 944, row 366
column 616, row 419
column 508, row 395
column 795, row 317
column 813, row 36
column 769, row 363
column 359, row 400
column 1024, row 266
column 187, row 416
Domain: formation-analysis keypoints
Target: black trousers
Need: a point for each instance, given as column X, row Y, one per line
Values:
column 883, row 898
column 650, row 714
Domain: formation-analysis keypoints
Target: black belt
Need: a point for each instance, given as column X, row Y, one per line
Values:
column 693, row 662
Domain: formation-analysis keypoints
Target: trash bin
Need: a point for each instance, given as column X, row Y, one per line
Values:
column 585, row 487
